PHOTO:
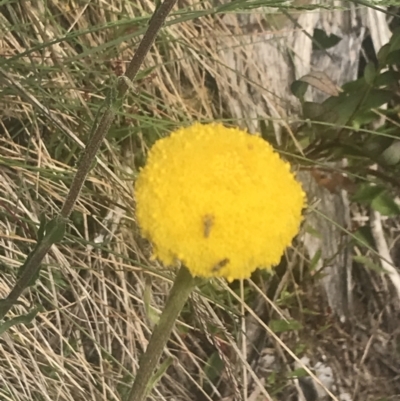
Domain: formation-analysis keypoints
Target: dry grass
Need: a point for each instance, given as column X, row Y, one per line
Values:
column 98, row 288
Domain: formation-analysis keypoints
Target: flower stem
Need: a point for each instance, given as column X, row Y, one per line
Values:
column 180, row 291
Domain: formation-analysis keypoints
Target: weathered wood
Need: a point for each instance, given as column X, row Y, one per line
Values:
column 332, row 214
column 259, row 56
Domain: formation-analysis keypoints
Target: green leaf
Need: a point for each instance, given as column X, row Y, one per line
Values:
column 300, row 348
column 374, row 146
column 309, row 312
column 370, row 73
column 57, row 227
column 394, row 41
column 363, row 237
column 5, row 303
column 299, row 372
column 366, row 193
column 271, row 378
column 354, row 86
column 342, row 108
column 387, row 78
column 393, row 58
column 315, row 259
column 383, row 54
column 279, row 326
column 313, row 110
column 324, row 328
column 285, row 298
column 214, row 367
column 323, row 41
column 376, row 98
column 299, row 89
column 159, row 374
column 385, row 204
column 391, row 155
column 312, row 231
column 145, row 73
column 363, row 118
column 21, row 319
column 151, row 313
column 368, row 263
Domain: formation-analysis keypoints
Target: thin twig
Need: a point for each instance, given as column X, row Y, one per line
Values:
column 51, row 235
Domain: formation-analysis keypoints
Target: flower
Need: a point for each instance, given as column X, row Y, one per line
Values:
column 219, row 200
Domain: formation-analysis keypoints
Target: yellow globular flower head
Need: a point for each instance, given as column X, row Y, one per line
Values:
column 219, row 200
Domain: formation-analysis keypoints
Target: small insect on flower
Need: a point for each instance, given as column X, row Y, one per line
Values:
column 220, row 265
column 208, row 222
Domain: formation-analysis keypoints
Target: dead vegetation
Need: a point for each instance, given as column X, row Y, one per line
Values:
column 98, row 289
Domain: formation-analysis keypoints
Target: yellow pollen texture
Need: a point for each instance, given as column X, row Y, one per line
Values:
column 219, row 200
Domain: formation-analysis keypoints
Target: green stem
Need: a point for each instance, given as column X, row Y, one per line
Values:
column 180, row 291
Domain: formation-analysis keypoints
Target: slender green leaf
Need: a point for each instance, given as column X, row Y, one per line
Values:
column 312, row 231
column 368, row 263
column 315, row 259
column 151, row 313
column 159, row 374
column 214, row 367
column 279, row 326
column 21, row 319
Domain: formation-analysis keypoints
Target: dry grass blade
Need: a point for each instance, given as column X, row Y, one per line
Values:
column 53, row 231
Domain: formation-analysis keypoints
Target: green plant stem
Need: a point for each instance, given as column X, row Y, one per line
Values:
column 32, row 264
column 183, row 285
